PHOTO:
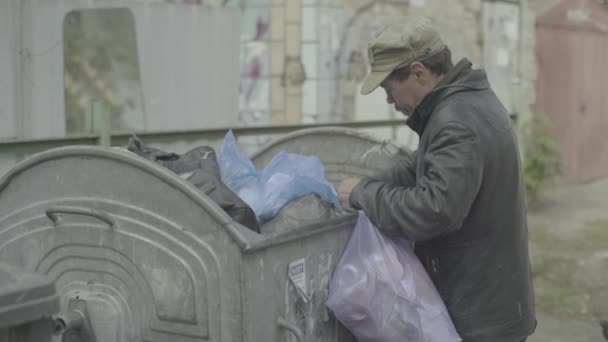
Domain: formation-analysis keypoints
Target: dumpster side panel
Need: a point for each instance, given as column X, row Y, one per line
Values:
column 27, row 303
column 270, row 295
column 37, row 331
column 151, row 263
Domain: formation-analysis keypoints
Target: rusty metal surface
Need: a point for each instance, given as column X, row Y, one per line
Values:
column 572, row 88
column 576, row 15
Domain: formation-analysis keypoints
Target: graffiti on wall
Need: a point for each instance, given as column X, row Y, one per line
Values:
column 254, row 87
column 254, row 98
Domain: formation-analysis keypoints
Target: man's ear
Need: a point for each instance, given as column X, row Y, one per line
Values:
column 418, row 71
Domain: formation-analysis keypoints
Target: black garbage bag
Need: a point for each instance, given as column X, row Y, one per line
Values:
column 199, row 166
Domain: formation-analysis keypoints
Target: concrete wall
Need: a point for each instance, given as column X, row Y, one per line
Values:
column 529, row 72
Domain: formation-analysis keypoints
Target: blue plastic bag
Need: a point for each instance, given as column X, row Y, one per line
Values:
column 287, row 177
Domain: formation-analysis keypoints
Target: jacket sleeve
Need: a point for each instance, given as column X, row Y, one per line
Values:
column 440, row 200
column 402, row 172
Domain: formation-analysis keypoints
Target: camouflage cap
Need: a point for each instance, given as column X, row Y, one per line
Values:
column 398, row 45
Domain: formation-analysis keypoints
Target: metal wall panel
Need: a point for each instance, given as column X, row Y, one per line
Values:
column 572, row 46
column 9, row 127
column 188, row 57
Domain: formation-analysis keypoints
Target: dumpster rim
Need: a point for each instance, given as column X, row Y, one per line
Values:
column 348, row 132
column 240, row 234
column 303, row 232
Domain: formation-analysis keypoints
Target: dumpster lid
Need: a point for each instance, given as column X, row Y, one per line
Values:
column 25, row 297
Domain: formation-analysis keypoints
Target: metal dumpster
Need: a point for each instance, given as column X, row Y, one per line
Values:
column 344, row 152
column 148, row 257
column 27, row 302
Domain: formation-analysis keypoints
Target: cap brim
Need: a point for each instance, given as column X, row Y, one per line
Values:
column 373, row 80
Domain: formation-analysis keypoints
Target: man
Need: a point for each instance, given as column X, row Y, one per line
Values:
column 460, row 196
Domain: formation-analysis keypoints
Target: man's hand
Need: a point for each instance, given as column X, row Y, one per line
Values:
column 345, row 188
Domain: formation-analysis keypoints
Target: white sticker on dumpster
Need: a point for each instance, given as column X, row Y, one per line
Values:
column 297, row 275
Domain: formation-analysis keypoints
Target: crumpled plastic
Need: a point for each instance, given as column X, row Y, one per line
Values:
column 287, row 177
column 199, row 166
column 381, row 292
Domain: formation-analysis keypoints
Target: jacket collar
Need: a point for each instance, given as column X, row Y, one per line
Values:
column 460, row 78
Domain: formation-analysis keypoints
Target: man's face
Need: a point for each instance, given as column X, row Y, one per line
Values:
column 403, row 94
column 406, row 94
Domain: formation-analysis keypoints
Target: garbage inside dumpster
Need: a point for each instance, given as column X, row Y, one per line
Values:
column 287, row 177
column 249, row 196
column 199, row 166
column 381, row 292
column 308, row 209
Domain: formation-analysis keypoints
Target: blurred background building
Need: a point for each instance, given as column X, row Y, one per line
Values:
column 167, row 66
column 180, row 73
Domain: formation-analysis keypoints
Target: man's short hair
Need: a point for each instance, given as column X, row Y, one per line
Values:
column 439, row 64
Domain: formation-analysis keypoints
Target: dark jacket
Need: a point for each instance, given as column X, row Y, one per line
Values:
column 460, row 199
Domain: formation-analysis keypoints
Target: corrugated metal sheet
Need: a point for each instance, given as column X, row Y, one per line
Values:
column 188, row 57
column 572, row 47
column 9, row 125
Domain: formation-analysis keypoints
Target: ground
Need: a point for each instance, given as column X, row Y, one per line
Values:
column 569, row 254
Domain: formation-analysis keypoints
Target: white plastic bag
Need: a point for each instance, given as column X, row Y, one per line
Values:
column 381, row 292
